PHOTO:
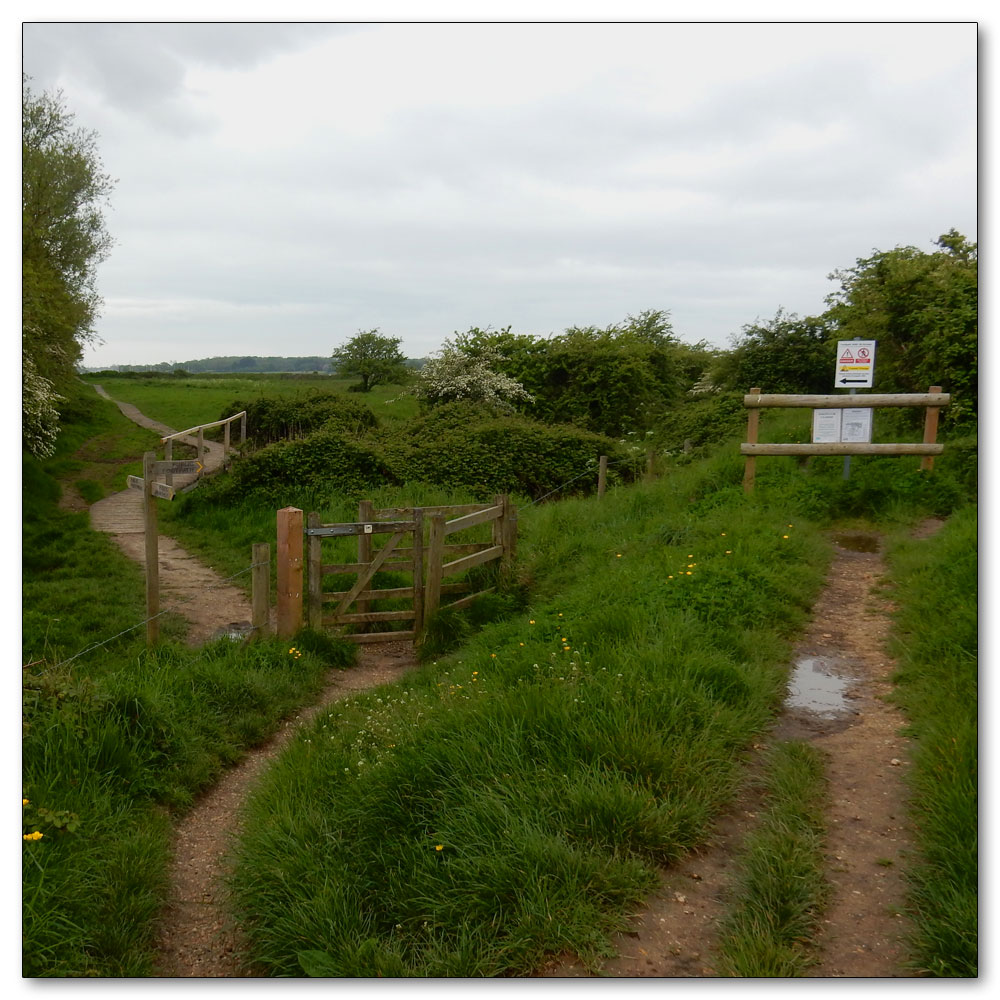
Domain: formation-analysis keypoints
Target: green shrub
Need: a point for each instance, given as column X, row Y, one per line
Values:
column 276, row 418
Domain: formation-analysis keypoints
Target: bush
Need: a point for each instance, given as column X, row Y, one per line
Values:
column 272, row 418
column 461, row 445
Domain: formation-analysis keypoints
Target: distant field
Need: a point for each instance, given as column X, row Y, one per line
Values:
column 183, row 403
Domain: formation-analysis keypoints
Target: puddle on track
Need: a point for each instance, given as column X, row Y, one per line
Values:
column 819, row 684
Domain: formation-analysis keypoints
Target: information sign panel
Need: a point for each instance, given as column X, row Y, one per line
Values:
column 855, row 368
column 856, row 425
column 826, row 426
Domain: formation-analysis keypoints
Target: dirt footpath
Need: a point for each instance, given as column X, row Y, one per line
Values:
column 862, row 930
column 194, row 591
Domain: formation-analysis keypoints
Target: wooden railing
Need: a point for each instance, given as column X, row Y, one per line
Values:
column 931, row 401
column 199, row 431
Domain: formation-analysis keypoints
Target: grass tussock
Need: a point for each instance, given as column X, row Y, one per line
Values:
column 780, row 887
column 937, row 687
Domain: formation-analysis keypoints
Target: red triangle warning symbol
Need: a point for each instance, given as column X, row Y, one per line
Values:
column 847, row 358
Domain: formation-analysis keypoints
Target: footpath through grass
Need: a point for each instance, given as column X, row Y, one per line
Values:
column 514, row 798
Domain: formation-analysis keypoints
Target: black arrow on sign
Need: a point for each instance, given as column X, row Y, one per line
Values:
column 844, row 381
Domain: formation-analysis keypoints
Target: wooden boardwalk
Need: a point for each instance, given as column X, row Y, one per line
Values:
column 121, row 513
column 198, row 593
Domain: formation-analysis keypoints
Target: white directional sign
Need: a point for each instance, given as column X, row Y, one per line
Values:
column 855, row 367
column 160, row 490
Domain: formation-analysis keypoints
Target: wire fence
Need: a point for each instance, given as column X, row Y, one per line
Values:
column 163, row 611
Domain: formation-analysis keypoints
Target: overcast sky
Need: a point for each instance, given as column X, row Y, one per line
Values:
column 282, row 186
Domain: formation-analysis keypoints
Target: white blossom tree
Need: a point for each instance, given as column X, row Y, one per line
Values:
column 39, row 416
column 453, row 374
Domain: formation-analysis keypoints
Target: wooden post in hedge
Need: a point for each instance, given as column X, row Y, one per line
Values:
column 260, row 579
column 930, row 431
column 289, row 571
column 602, row 476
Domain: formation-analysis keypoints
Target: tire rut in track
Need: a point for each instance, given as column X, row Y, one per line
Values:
column 861, row 933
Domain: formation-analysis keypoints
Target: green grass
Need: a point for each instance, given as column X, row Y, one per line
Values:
column 553, row 791
column 113, row 734
column 780, row 884
column 937, row 687
column 183, row 403
column 514, row 798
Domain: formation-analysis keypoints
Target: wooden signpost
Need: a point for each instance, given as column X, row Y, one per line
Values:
column 151, row 489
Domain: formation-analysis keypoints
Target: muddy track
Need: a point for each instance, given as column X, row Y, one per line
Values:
column 859, row 734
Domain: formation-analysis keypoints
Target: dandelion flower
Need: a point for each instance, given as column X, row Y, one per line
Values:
column 729, row 552
column 24, row 802
column 439, row 847
column 618, row 555
column 688, row 573
column 531, row 621
column 784, row 536
column 670, row 577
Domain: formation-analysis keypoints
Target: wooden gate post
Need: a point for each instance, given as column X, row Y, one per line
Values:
column 152, row 551
column 602, row 476
column 750, row 469
column 930, row 432
column 260, row 580
column 508, row 537
column 314, row 564
column 435, row 563
column 289, row 571
column 418, row 571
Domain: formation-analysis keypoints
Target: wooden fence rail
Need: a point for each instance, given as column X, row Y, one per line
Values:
column 755, row 401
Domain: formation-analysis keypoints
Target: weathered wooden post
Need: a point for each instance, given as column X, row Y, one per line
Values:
column 168, row 456
column 201, row 442
column 930, row 432
column 418, row 571
column 650, row 459
column 225, row 439
column 750, row 467
column 366, row 515
column 260, row 580
column 602, row 475
column 243, row 428
column 435, row 562
column 289, row 571
column 509, row 536
column 314, row 563
column 152, row 551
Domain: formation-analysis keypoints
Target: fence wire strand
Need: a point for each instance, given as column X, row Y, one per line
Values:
column 172, row 607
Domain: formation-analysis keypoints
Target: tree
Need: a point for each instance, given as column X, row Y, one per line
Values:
column 784, row 354
column 375, row 359
column 63, row 239
column 922, row 308
column 465, row 371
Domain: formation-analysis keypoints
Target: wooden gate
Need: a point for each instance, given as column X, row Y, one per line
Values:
column 416, row 546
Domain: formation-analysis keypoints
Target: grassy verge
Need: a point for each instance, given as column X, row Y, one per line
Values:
column 937, row 688
column 515, row 797
column 781, row 887
column 114, row 737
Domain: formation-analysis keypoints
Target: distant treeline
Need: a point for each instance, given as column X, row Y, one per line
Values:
column 242, row 365
column 233, row 364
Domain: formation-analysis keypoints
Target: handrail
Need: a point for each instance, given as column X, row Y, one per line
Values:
column 168, row 441
column 203, row 427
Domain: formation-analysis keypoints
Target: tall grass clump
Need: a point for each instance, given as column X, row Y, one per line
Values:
column 937, row 688
column 780, row 886
column 513, row 799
